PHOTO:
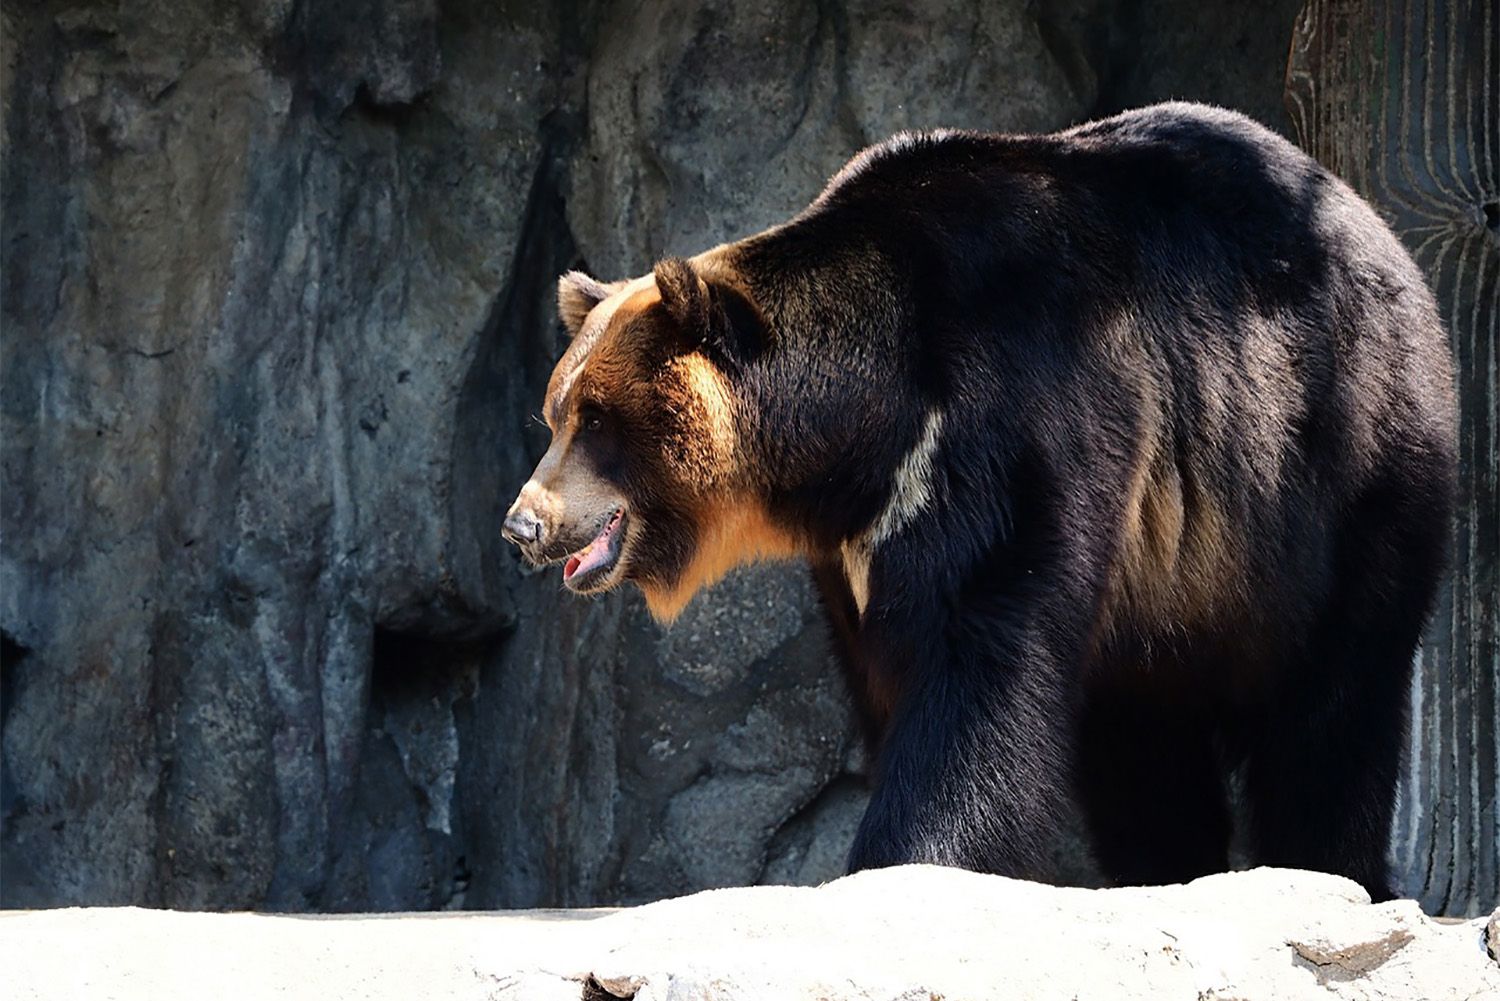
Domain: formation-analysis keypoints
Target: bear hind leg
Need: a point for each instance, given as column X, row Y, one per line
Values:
column 1321, row 768
column 1320, row 793
column 1320, row 781
column 1151, row 789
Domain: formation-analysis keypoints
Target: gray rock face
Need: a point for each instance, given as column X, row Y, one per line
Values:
column 241, row 319
column 276, row 315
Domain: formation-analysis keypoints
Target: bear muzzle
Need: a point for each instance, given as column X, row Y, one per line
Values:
column 522, row 528
column 590, row 553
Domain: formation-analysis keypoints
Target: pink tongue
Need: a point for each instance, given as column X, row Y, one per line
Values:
column 595, row 554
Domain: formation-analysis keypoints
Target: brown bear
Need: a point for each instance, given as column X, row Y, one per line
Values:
column 1123, row 458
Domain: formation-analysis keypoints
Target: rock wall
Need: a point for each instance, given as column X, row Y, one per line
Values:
column 276, row 314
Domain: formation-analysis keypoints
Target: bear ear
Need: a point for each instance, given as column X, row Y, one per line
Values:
column 711, row 315
column 684, row 295
column 577, row 295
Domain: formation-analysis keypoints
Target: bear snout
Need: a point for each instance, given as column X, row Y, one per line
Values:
column 522, row 528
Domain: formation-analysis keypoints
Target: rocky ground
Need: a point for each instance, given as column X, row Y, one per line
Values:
column 915, row 933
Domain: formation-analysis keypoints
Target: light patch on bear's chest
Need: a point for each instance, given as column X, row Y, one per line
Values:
column 911, row 492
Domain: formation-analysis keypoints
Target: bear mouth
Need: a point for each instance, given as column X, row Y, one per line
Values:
column 590, row 568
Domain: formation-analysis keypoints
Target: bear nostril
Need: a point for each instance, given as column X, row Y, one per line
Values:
column 521, row 527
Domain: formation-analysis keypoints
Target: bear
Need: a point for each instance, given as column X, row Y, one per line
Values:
column 1122, row 457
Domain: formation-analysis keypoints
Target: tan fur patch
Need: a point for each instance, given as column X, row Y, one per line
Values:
column 1177, row 555
column 856, row 555
column 704, row 439
column 730, row 535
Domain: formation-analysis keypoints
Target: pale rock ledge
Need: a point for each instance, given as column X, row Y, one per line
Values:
column 916, row 933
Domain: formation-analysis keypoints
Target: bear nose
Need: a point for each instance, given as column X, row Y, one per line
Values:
column 521, row 527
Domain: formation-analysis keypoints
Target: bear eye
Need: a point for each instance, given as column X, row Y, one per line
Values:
column 590, row 418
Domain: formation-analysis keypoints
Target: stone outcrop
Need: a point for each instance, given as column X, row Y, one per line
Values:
column 909, row 933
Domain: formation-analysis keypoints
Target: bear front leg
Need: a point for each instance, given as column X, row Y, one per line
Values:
column 974, row 770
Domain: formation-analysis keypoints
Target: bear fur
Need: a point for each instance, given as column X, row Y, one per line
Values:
column 1123, row 459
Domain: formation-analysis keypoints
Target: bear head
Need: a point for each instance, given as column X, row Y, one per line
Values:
column 649, row 476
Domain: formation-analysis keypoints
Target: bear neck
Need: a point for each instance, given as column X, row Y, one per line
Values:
column 829, row 394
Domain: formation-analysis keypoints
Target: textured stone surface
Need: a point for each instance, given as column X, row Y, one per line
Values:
column 908, row 933
column 276, row 313
column 239, row 320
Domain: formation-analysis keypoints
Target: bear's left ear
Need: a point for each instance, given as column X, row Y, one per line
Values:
column 709, row 315
column 577, row 295
column 684, row 295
